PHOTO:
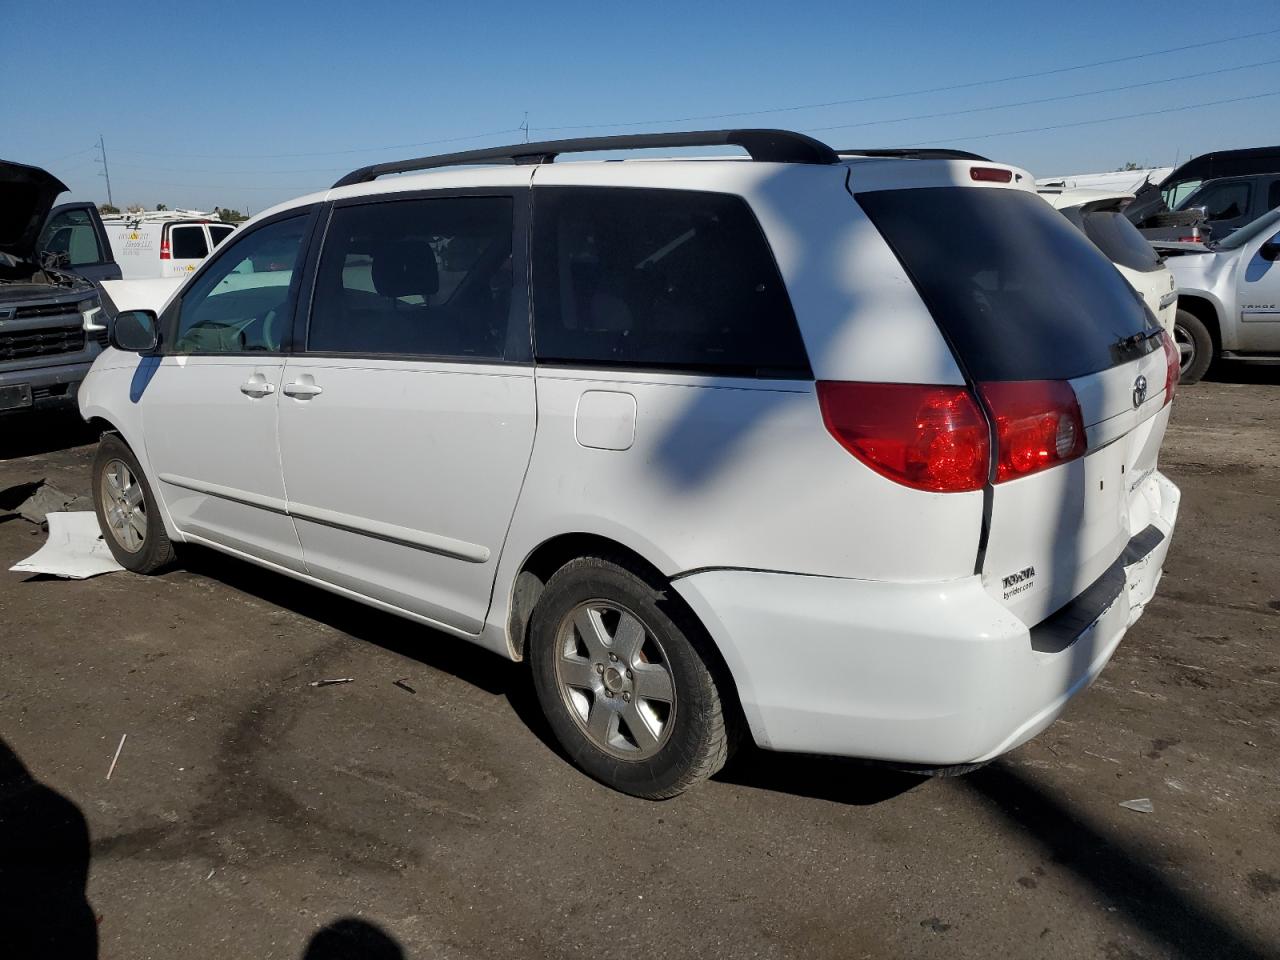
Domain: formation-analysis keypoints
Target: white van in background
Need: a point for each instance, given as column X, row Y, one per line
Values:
column 163, row 243
column 1098, row 215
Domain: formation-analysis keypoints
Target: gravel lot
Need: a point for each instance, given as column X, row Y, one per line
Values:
column 251, row 815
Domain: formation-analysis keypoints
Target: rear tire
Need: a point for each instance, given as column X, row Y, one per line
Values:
column 619, row 673
column 127, row 510
column 1195, row 346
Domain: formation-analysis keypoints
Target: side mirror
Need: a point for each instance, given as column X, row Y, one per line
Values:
column 135, row 331
column 1271, row 249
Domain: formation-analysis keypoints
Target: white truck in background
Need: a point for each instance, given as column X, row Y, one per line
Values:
column 163, row 243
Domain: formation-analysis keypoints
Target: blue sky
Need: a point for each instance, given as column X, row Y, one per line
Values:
column 246, row 104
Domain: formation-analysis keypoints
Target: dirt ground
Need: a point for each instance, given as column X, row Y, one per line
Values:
column 252, row 815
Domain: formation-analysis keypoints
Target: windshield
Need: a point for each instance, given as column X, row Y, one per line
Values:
column 1019, row 292
column 1246, row 233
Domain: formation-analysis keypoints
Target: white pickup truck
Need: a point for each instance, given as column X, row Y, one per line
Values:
column 1228, row 296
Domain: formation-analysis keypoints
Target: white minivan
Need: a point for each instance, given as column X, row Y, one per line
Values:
column 723, row 448
column 162, row 245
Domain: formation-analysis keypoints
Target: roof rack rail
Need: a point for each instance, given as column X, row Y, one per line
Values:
column 917, row 153
column 767, row 146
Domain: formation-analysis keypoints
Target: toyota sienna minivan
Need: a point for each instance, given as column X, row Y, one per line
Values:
column 844, row 453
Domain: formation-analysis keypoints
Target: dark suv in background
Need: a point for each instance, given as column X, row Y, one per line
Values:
column 51, row 319
column 1210, row 196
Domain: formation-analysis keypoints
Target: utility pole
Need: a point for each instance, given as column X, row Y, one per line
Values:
column 525, row 126
column 105, row 172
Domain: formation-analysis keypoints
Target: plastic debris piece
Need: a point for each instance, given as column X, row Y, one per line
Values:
column 75, row 549
column 1142, row 805
column 404, row 686
column 329, row 683
column 112, row 768
column 46, row 500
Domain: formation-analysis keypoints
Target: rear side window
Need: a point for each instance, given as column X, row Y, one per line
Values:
column 1273, row 195
column 187, row 243
column 659, row 279
column 1221, row 201
column 1113, row 234
column 427, row 277
column 1019, row 292
column 218, row 234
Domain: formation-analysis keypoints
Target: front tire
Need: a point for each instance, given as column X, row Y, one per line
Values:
column 1195, row 346
column 619, row 674
column 126, row 507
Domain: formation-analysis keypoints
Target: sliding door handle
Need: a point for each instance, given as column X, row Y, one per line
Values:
column 301, row 391
column 257, row 387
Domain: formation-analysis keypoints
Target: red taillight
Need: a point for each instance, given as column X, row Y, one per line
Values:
column 1038, row 425
column 928, row 437
column 1172, row 365
column 990, row 174
column 164, row 249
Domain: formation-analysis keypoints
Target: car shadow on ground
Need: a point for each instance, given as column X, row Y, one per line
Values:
column 44, row 868
column 1125, row 874
column 31, row 433
column 1241, row 371
column 827, row 778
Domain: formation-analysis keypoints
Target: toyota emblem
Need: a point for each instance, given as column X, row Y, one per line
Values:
column 1139, row 392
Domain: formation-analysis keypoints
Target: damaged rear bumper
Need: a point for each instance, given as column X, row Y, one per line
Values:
column 928, row 674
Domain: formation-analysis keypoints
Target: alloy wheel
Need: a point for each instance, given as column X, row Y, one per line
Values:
column 124, row 506
column 1186, row 347
column 615, row 680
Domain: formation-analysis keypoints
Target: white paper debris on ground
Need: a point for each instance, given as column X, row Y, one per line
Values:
column 75, row 549
column 1142, row 805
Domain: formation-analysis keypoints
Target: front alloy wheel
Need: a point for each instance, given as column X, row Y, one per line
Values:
column 126, row 508
column 123, row 505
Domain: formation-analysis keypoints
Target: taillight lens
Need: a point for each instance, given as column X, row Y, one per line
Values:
column 164, row 249
column 927, row 437
column 1038, row 425
column 1173, row 366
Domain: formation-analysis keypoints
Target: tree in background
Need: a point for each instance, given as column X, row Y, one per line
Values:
column 107, row 208
column 162, row 206
column 230, row 216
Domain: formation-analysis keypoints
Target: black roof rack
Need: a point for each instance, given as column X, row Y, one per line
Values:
column 917, row 153
column 769, row 146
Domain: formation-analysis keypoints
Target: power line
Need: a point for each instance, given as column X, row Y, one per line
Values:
column 321, row 153
column 913, row 93
column 1085, row 123
column 841, row 126
column 1059, row 98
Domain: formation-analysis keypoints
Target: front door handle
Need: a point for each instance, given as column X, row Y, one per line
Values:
column 257, row 387
column 301, row 390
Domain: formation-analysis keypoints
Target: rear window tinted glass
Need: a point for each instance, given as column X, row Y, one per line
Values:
column 187, row 243
column 659, row 279
column 1120, row 240
column 1273, row 195
column 1020, row 293
column 420, row 277
column 218, row 234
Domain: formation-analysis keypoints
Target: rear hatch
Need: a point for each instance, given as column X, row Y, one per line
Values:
column 1071, row 369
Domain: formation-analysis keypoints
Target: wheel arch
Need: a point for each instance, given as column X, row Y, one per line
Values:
column 542, row 562
column 1206, row 311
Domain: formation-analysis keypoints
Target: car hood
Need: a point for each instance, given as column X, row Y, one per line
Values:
column 27, row 195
